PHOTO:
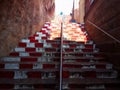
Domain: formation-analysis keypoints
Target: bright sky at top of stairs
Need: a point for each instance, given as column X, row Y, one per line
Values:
column 65, row 6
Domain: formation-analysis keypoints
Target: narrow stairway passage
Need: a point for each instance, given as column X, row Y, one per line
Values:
column 34, row 63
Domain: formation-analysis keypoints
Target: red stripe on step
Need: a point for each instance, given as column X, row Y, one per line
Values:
column 6, row 74
column 30, row 49
column 89, row 74
column 44, row 38
column 36, row 54
column 57, row 54
column 6, row 86
column 56, row 45
column 77, row 86
column 100, row 66
column 83, row 29
column 87, row 38
column 47, row 34
column 71, row 66
column 78, row 54
column 35, row 74
column 22, row 44
column 50, row 41
column 72, row 45
column 47, row 66
column 98, row 55
column 87, row 50
column 50, row 49
column 2, row 65
column 68, row 50
column 80, row 42
column 33, row 41
column 36, row 35
column 56, row 60
column 65, row 42
column 82, row 60
column 66, row 74
column 31, row 38
column 89, row 46
column 14, row 54
column 39, row 45
column 43, row 86
column 45, row 26
column 28, row 59
column 57, row 73
column 39, row 86
column 26, row 66
column 43, row 31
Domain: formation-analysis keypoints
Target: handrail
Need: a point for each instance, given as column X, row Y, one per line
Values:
column 103, row 31
column 61, row 57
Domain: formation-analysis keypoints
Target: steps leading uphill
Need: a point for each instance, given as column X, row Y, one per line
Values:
column 35, row 63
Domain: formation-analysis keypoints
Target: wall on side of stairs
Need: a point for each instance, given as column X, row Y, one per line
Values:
column 106, row 15
column 21, row 18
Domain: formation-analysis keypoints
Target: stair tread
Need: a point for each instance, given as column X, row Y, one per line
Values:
column 64, row 69
column 37, row 58
column 87, row 69
column 86, row 81
column 14, row 62
column 45, row 70
column 55, row 62
column 82, row 57
column 28, row 81
column 59, row 52
column 91, row 81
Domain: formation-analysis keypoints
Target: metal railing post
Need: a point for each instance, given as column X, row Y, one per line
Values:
column 61, row 57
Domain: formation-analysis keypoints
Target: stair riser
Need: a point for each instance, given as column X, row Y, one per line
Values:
column 28, row 66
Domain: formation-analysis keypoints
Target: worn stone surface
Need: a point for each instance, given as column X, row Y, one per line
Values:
column 20, row 19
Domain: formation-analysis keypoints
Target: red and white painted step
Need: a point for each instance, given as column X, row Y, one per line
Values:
column 34, row 63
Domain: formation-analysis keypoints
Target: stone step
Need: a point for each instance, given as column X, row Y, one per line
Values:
column 40, row 45
column 74, row 53
column 87, row 65
column 28, row 81
column 87, row 81
column 50, row 58
column 39, row 65
column 89, row 74
column 78, row 54
column 28, row 87
column 91, row 87
column 67, row 73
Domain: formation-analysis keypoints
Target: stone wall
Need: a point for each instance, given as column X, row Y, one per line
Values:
column 20, row 19
column 106, row 15
column 82, row 10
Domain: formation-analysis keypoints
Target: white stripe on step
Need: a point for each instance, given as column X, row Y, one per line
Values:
column 25, row 40
column 24, row 54
column 11, row 66
column 19, row 49
column 30, row 44
column 37, row 66
column 11, row 59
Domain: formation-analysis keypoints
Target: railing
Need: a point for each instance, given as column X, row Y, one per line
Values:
column 61, row 57
column 103, row 31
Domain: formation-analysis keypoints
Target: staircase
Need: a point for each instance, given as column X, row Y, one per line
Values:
column 35, row 63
